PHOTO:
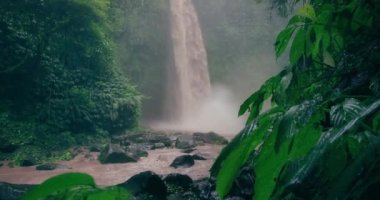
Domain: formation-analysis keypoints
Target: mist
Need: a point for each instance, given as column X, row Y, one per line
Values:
column 239, row 40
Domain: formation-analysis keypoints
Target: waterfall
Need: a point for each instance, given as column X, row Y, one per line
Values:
column 188, row 76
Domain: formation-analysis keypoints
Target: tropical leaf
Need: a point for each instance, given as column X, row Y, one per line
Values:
column 270, row 163
column 313, row 159
column 236, row 154
column 307, row 11
column 298, row 46
column 255, row 102
column 346, row 111
column 293, row 120
column 283, row 39
column 60, row 183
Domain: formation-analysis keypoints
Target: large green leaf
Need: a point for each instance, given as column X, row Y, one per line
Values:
column 298, row 46
column 59, row 183
column 293, row 120
column 307, row 11
column 346, row 111
column 283, row 39
column 314, row 158
column 235, row 155
column 270, row 162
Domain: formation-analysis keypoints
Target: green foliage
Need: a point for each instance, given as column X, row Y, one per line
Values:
column 323, row 144
column 74, row 186
column 59, row 75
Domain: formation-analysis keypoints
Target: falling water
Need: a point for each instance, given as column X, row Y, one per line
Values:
column 189, row 82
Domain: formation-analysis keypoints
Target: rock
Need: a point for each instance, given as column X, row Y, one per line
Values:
column 183, row 161
column 199, row 157
column 1, row 164
column 137, row 150
column 13, row 192
column 146, row 183
column 204, row 188
column 159, row 145
column 27, row 162
column 209, row 138
column 113, row 153
column 179, row 180
column 51, row 166
column 184, row 142
column 188, row 150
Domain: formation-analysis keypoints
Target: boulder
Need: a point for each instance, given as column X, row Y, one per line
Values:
column 159, row 145
column 209, row 138
column 184, row 161
column 51, row 166
column 96, row 148
column 199, row 157
column 204, row 188
column 184, row 142
column 138, row 150
column 113, row 153
column 12, row 191
column 146, row 184
column 27, row 162
column 179, row 180
column 188, row 150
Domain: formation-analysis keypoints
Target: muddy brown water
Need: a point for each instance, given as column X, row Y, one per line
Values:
column 157, row 161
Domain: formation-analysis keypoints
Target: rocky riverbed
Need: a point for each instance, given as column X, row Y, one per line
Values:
column 158, row 161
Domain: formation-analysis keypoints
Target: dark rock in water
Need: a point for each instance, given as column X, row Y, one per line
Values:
column 188, row 150
column 204, row 188
column 51, row 166
column 137, row 150
column 183, row 161
column 178, row 180
column 146, row 184
column 184, row 142
column 209, row 138
column 199, row 157
column 159, row 145
column 27, row 162
column 13, row 192
column 113, row 153
column 1, row 164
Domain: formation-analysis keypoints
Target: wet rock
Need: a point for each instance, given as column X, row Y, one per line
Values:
column 209, row 138
column 204, row 188
column 199, row 157
column 51, row 166
column 178, row 180
column 188, row 150
column 146, row 184
column 13, row 192
column 183, row 161
column 113, row 153
column 184, row 142
column 159, row 145
column 138, row 150
column 27, row 162
column 1, row 164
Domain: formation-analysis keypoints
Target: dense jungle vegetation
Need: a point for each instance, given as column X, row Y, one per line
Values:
column 320, row 138
column 61, row 82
